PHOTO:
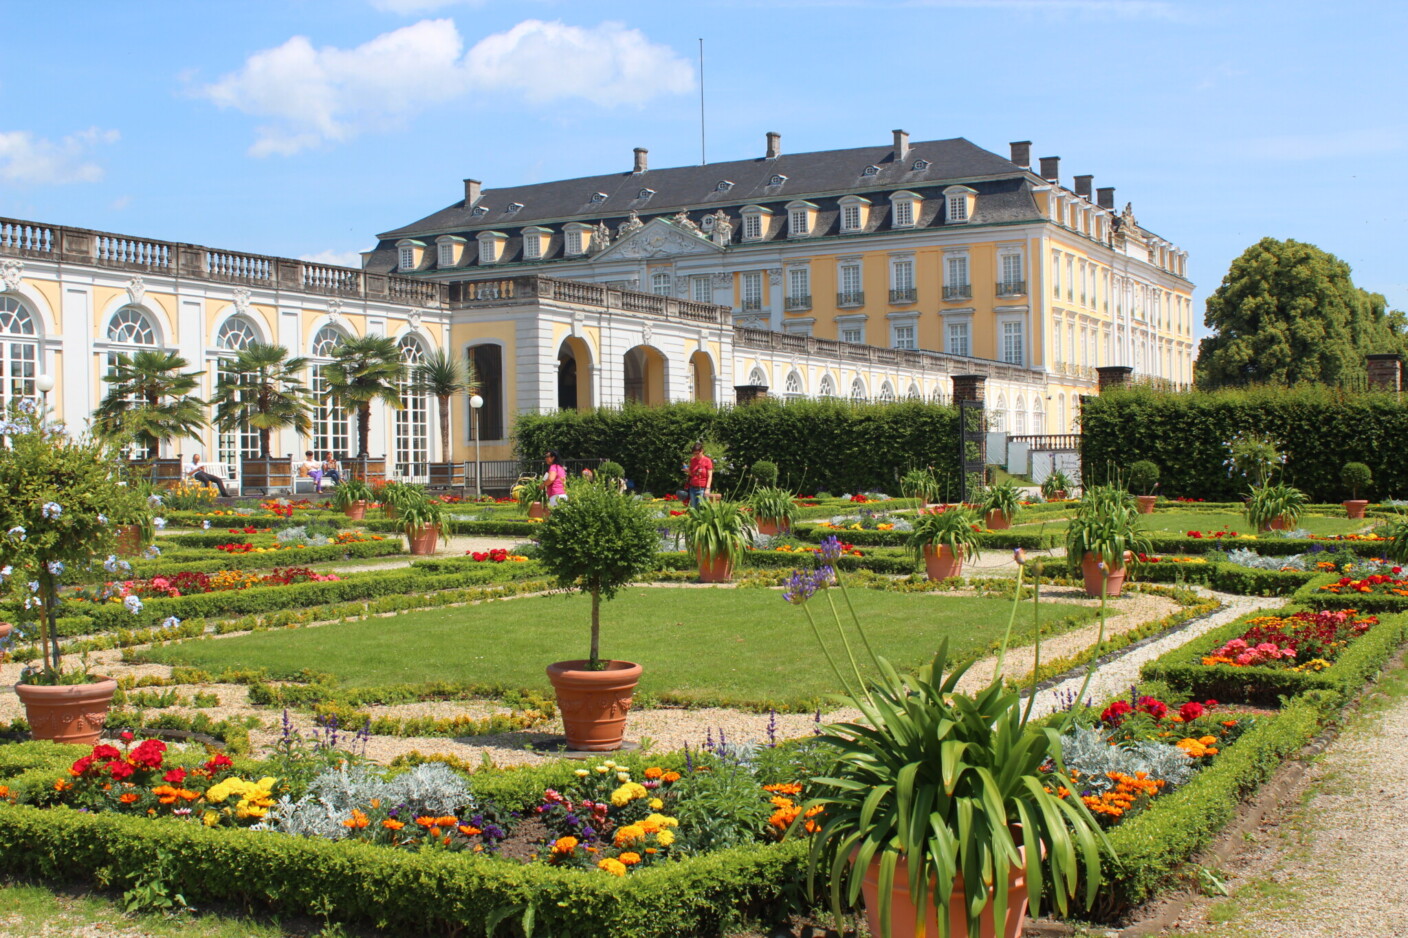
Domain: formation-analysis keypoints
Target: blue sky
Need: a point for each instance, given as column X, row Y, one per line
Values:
column 304, row 127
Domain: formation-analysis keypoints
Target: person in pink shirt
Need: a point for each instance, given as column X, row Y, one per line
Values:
column 556, row 478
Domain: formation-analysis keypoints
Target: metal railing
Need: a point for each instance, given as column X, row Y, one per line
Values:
column 797, row 302
column 903, row 295
column 852, row 298
column 1011, row 288
column 959, row 291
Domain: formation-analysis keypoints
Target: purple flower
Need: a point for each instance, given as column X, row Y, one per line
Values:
column 824, row 576
column 1019, row 555
column 830, row 548
column 799, row 587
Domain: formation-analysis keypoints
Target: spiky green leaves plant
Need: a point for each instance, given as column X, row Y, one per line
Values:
column 952, row 528
column 262, row 389
column 718, row 529
column 363, row 370
column 149, row 400
column 443, row 375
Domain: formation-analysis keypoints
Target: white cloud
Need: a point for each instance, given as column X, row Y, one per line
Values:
column 314, row 96
column 334, row 258
column 39, row 161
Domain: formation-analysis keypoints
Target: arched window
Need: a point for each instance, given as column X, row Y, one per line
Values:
column 913, row 392
column 130, row 326
column 999, row 413
column 412, row 424
column 828, row 387
column 758, row 378
column 236, row 333
column 330, row 424
column 19, row 351
column 792, row 389
column 938, row 397
column 858, row 391
column 887, row 393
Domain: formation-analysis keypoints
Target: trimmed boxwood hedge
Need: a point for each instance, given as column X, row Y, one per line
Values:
column 1311, row 595
column 990, row 540
column 1226, row 577
column 1183, row 669
column 171, row 562
column 1266, row 546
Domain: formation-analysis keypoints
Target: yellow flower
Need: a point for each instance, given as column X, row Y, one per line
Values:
column 627, row 793
column 614, row 867
column 665, row 838
column 629, row 834
column 656, row 804
column 210, row 819
column 582, row 773
column 662, row 820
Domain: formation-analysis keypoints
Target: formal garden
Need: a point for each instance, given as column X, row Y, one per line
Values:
column 832, row 696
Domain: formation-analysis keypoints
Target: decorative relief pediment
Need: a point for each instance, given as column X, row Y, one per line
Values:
column 658, row 238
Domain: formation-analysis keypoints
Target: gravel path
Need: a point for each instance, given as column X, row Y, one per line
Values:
column 1334, row 866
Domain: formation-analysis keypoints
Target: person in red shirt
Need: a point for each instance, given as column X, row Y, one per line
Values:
column 701, row 475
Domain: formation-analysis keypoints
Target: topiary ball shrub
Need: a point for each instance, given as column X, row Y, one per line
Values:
column 1143, row 476
column 1357, row 478
column 764, row 472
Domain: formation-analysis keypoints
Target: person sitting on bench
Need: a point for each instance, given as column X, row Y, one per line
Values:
column 313, row 470
column 332, row 469
column 202, row 473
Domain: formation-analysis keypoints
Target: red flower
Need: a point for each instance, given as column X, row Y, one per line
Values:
column 218, row 761
column 119, row 770
column 176, row 776
column 1190, row 711
column 1155, row 708
column 81, row 766
column 105, row 753
column 148, row 754
column 1115, row 713
column 126, row 736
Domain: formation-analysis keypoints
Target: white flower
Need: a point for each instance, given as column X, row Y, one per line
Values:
column 170, row 622
column 56, row 567
column 158, row 523
column 51, row 510
column 18, row 532
column 154, row 500
column 623, row 776
column 133, row 604
column 102, row 519
column 205, row 524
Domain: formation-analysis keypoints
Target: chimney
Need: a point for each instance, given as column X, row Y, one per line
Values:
column 774, row 145
column 471, row 192
column 640, row 159
column 1083, row 184
column 1051, row 168
column 1105, row 197
column 901, row 145
column 1022, row 153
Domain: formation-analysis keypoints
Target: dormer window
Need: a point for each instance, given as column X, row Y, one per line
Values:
column 513, row 208
column 645, row 193
column 598, row 198
column 754, row 222
column 777, row 180
column 904, row 209
column 920, row 165
column 724, row 185
column 409, row 254
column 959, row 202
column 491, row 246
column 449, row 251
column 855, row 212
column 534, row 241
column 480, row 211
column 707, row 222
column 870, row 171
column 801, row 217
column 577, row 239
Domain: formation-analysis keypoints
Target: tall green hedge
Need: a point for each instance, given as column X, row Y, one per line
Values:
column 1186, row 435
column 818, row 445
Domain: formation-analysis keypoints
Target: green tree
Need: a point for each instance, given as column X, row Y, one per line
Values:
column 261, row 389
column 1289, row 313
column 363, row 370
column 443, row 375
column 149, row 400
column 597, row 541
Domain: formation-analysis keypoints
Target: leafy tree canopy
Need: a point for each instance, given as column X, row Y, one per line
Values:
column 1289, row 313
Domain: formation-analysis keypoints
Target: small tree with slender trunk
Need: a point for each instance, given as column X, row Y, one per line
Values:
column 262, row 389
column 149, row 400
column 363, row 370
column 597, row 541
column 442, row 375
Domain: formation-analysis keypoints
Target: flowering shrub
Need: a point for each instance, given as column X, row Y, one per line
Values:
column 187, row 583
column 1376, row 583
column 1152, row 558
column 1281, row 641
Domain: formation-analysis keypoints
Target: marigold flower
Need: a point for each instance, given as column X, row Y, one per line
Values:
column 629, row 834
column 564, row 845
column 614, row 867
column 670, row 777
column 654, row 772
column 127, row 797
column 629, row 859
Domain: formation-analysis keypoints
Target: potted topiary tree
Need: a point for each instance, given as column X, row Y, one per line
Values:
column 1000, row 505
column 65, row 495
column 943, row 540
column 716, row 533
column 597, row 541
column 773, row 510
column 764, row 473
column 1143, row 480
column 1276, row 507
column 351, row 496
column 1356, row 476
column 1103, row 538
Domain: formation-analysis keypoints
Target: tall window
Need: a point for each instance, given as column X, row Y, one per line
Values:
column 532, row 245
column 902, row 280
column 573, row 241
column 1012, row 351
column 447, row 254
column 406, row 258
column 958, row 339
column 19, row 351
column 887, row 393
column 1070, row 277
column 1011, row 273
column 661, row 283
column 1056, row 343
column 858, row 390
column 904, row 337
column 957, row 208
column 129, row 327
column 488, row 251
column 488, row 362
column 700, row 290
column 799, row 285
column 956, row 283
column 330, row 433
column 904, row 213
column 235, row 333
column 412, row 423
column 752, row 226
column 850, row 218
column 800, row 222
column 1082, row 284
column 1056, row 273
column 850, row 291
column 752, row 290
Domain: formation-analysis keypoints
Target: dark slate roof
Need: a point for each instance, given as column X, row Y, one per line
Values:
column 685, row 186
column 837, row 172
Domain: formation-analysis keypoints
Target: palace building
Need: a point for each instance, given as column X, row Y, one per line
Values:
column 870, row 274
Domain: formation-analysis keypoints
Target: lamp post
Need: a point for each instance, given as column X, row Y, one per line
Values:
column 45, row 384
column 476, row 402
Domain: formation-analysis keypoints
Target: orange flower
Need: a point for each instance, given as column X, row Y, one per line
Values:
column 654, row 772
column 629, row 858
column 62, row 785
column 357, row 821
column 392, row 824
column 469, row 830
column 128, row 797
column 670, row 777
column 787, row 788
column 564, row 845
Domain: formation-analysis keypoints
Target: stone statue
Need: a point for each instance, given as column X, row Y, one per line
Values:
column 684, row 221
column 633, row 223
column 723, row 228
column 601, row 237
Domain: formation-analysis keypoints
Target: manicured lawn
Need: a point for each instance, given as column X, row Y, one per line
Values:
column 742, row 647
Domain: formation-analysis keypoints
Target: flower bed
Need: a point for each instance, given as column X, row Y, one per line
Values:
column 497, row 555
column 1334, row 651
column 1376, row 593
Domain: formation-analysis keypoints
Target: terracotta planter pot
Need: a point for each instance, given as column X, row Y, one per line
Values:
column 772, row 526
column 1114, row 578
column 423, row 540
column 714, row 569
column 904, row 921
column 998, row 521
column 1146, row 503
column 538, row 510
column 716, row 496
column 594, row 704
column 357, row 510
column 5, row 630
column 129, row 540
column 1276, row 524
column 67, row 713
column 1059, row 495
column 1355, row 507
column 943, row 563
column 390, row 512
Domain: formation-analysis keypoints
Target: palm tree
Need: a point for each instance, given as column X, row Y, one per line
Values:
column 149, row 400
column 363, row 370
column 443, row 375
column 260, row 388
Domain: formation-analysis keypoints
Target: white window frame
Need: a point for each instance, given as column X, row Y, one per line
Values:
column 958, row 335
column 854, row 323
column 905, row 335
column 754, row 218
column 1012, row 343
column 904, row 209
column 901, row 273
column 798, row 276
column 662, row 283
column 575, row 240
column 799, row 222
column 960, row 203
column 750, row 287
column 701, row 288
column 446, row 252
column 532, row 244
column 850, row 281
column 850, row 217
column 953, row 281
